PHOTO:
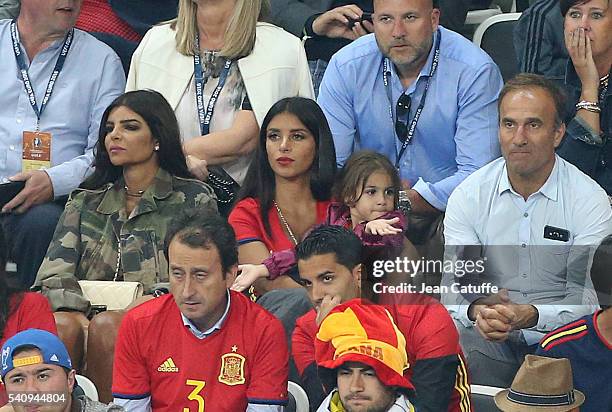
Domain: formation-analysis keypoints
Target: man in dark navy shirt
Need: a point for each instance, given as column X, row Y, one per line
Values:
column 587, row 342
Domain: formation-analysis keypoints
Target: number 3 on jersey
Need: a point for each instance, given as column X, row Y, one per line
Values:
column 195, row 394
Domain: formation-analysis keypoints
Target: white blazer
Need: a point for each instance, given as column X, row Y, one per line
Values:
column 276, row 68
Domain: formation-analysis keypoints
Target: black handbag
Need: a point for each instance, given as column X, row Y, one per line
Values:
column 225, row 188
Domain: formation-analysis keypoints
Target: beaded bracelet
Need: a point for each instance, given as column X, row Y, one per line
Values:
column 588, row 106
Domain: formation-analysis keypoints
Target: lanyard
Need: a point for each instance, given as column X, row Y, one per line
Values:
column 23, row 69
column 200, row 81
column 417, row 115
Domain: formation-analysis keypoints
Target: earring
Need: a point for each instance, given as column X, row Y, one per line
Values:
column 156, row 148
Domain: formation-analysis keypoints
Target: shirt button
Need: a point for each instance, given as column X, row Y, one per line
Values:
column 523, row 245
column 12, row 147
column 18, row 120
column 524, row 275
column 526, row 214
column 524, row 295
column 603, row 163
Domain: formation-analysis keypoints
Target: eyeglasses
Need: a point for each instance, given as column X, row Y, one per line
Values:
column 402, row 109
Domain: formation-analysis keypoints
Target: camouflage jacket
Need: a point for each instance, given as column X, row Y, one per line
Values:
column 84, row 404
column 96, row 240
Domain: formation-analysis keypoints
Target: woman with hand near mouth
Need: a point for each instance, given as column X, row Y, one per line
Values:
column 288, row 185
column 588, row 24
column 114, row 225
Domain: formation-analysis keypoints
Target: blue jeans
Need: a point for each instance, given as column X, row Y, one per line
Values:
column 28, row 236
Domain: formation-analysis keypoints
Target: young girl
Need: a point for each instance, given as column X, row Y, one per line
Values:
column 368, row 185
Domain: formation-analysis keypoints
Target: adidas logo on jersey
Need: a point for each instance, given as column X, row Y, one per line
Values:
column 167, row 366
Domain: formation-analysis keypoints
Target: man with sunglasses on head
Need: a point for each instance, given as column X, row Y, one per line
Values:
column 420, row 94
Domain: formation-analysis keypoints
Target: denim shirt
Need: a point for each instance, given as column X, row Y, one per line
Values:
column 588, row 151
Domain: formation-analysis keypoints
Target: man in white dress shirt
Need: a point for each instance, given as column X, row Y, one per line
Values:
column 534, row 219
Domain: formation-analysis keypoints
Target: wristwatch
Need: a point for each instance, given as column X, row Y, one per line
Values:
column 403, row 202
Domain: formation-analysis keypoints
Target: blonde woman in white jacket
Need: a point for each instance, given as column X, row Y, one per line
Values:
column 246, row 66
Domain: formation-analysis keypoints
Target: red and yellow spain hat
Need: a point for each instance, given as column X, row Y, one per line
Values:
column 365, row 333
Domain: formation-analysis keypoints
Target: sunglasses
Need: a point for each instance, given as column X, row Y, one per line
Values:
column 402, row 109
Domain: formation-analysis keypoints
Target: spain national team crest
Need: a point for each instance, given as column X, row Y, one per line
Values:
column 232, row 368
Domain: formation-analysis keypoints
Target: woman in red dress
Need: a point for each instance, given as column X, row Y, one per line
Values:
column 288, row 186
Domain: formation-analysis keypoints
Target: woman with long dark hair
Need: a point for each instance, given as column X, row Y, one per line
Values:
column 287, row 188
column 113, row 227
column 19, row 310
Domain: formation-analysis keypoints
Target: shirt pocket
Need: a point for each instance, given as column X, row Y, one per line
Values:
column 98, row 261
column 140, row 258
column 552, row 259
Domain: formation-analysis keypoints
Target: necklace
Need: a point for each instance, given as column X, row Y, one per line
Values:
column 137, row 194
column 284, row 222
column 604, row 80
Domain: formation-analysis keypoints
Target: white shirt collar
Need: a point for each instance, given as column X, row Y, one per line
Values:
column 549, row 189
column 217, row 326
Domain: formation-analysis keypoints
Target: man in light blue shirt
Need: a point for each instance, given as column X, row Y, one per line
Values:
column 68, row 109
column 456, row 131
column 535, row 220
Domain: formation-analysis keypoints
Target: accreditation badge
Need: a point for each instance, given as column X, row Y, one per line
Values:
column 36, row 152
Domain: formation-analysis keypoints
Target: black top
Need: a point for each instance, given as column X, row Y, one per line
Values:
column 321, row 47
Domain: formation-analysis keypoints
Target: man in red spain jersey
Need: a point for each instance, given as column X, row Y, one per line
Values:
column 330, row 270
column 201, row 348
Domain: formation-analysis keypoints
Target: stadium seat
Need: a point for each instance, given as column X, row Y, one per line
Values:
column 301, row 399
column 88, row 387
column 483, row 398
column 475, row 17
column 494, row 35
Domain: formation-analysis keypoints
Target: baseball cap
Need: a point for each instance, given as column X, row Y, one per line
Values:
column 50, row 346
column 364, row 333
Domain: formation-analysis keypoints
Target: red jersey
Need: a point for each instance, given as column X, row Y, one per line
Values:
column 245, row 218
column 26, row 311
column 156, row 355
column 432, row 344
column 99, row 16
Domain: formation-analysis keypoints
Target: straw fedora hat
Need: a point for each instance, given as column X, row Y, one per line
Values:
column 541, row 384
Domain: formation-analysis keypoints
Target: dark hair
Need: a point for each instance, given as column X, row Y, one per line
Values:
column 260, row 182
column 323, row 239
column 157, row 113
column 600, row 272
column 200, row 228
column 355, row 173
column 565, row 5
column 524, row 81
column 6, row 291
